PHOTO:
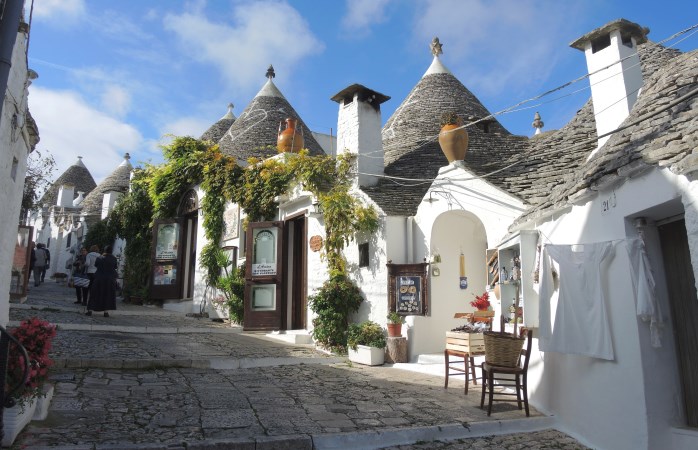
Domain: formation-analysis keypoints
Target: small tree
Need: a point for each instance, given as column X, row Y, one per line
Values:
column 40, row 168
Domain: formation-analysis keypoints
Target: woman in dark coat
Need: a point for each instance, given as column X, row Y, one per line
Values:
column 103, row 289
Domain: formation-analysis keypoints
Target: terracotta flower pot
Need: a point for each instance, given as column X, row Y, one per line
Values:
column 291, row 138
column 453, row 141
column 394, row 330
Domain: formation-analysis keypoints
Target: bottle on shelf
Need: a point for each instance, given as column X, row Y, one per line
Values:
column 503, row 275
column 512, row 310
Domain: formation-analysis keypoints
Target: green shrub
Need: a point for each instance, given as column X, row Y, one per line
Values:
column 333, row 302
column 365, row 333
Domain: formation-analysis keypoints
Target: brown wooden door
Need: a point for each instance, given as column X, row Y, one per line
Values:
column 264, row 276
column 684, row 311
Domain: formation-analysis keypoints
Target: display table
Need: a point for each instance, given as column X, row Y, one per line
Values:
column 466, row 346
column 396, row 350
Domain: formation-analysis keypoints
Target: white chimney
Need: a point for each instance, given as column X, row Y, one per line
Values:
column 616, row 74
column 65, row 196
column 108, row 202
column 359, row 130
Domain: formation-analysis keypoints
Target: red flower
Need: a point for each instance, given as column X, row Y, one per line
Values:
column 481, row 302
column 35, row 335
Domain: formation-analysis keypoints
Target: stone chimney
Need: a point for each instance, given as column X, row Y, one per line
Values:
column 359, row 130
column 616, row 75
column 65, row 195
column 108, row 202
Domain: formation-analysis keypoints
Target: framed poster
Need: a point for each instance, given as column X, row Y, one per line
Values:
column 164, row 274
column 167, row 244
column 167, row 261
column 231, row 218
column 408, row 291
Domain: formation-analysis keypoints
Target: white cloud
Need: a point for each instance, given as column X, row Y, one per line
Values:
column 69, row 127
column 59, row 12
column 116, row 100
column 498, row 43
column 262, row 33
column 362, row 14
column 186, row 126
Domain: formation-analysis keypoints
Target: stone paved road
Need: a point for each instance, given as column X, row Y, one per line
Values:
column 118, row 386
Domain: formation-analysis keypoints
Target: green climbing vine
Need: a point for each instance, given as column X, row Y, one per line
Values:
column 157, row 190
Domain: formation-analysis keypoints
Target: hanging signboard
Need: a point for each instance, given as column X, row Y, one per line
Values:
column 407, row 288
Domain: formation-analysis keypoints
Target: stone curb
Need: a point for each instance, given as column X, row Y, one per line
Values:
column 346, row 441
column 139, row 330
column 448, row 432
column 216, row 364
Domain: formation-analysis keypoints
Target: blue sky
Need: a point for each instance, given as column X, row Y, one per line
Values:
column 119, row 76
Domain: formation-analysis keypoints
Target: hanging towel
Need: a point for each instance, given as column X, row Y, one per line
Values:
column 581, row 322
column 647, row 307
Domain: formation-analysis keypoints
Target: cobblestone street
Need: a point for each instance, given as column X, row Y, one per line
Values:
column 148, row 378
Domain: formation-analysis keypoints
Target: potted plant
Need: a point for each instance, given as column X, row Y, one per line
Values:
column 36, row 336
column 395, row 322
column 453, row 138
column 366, row 343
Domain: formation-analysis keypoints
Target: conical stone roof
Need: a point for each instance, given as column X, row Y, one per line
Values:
column 77, row 175
column 254, row 132
column 118, row 181
column 218, row 129
column 410, row 139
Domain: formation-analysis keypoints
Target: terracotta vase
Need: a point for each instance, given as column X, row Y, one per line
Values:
column 453, row 141
column 394, row 330
column 290, row 139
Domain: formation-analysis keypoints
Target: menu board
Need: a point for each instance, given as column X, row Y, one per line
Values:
column 408, row 290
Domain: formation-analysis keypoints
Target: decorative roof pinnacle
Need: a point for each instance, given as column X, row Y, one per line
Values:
column 270, row 72
column 537, row 123
column 436, row 47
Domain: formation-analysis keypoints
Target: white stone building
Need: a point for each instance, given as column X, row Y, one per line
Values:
column 18, row 138
column 588, row 184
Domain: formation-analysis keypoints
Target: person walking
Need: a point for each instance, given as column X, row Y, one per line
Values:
column 48, row 261
column 79, row 266
column 40, row 259
column 90, row 261
column 103, row 288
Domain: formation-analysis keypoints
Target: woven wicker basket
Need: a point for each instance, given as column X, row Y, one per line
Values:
column 502, row 349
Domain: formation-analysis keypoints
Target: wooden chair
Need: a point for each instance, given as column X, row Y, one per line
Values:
column 491, row 373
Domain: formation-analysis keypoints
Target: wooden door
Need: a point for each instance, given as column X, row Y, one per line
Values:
column 684, row 311
column 264, row 276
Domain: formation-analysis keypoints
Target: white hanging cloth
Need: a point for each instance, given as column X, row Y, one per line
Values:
column 581, row 322
column 647, row 307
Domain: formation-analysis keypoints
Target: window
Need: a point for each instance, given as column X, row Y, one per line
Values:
column 363, row 255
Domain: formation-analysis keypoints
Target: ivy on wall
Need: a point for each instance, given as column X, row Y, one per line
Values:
column 157, row 190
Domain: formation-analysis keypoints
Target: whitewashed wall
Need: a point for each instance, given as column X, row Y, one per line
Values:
column 639, row 390
column 15, row 148
column 459, row 212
